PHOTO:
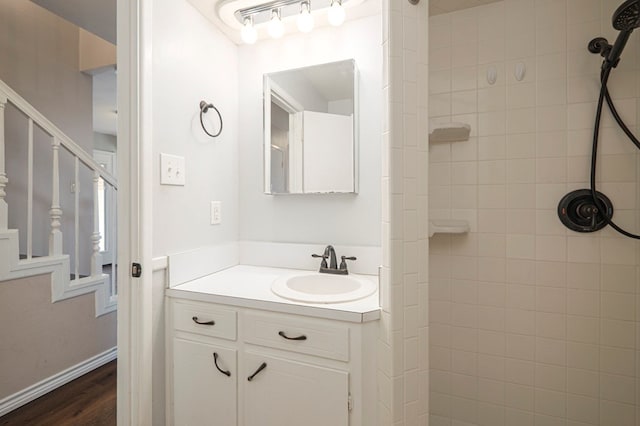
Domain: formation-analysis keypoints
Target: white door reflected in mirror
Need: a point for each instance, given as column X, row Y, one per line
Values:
column 310, row 137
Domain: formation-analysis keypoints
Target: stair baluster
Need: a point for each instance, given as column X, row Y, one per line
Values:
column 4, row 209
column 30, row 189
column 55, row 237
column 96, row 257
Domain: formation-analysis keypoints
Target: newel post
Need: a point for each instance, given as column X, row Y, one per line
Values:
column 55, row 238
column 96, row 257
column 4, row 209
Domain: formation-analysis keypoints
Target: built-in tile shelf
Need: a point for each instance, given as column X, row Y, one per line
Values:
column 448, row 226
column 449, row 132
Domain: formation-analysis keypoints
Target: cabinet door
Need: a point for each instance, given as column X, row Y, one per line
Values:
column 291, row 393
column 202, row 394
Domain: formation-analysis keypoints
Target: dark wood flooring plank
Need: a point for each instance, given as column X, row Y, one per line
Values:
column 89, row 400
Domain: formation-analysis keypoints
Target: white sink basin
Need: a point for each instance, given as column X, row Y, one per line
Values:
column 315, row 287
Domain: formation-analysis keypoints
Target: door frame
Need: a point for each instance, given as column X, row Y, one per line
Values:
column 134, row 388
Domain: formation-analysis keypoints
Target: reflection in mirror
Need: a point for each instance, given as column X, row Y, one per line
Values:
column 310, row 137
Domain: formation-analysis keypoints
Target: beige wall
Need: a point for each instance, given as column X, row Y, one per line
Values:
column 39, row 59
column 40, row 338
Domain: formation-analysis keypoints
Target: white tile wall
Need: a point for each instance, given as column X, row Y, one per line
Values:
column 403, row 345
column 530, row 323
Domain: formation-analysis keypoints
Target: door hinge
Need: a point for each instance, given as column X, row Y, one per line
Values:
column 136, row 270
column 350, row 403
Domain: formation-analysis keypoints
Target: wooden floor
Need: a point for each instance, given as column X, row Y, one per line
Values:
column 89, row 400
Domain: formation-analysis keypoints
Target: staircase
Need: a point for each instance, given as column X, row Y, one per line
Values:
column 21, row 254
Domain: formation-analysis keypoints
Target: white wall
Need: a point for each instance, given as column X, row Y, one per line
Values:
column 531, row 323
column 193, row 61
column 299, row 88
column 337, row 219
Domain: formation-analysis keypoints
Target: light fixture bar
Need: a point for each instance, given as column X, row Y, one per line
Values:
column 262, row 12
column 277, row 4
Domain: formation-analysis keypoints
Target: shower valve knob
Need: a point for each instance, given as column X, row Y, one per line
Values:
column 579, row 212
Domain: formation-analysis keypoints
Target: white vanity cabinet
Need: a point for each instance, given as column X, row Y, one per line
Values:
column 201, row 391
column 290, row 393
column 283, row 369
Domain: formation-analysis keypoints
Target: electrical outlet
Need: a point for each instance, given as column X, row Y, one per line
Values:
column 172, row 170
column 216, row 212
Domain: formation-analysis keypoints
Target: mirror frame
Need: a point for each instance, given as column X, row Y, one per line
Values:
column 268, row 91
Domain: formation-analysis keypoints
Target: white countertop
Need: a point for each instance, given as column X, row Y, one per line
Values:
column 250, row 287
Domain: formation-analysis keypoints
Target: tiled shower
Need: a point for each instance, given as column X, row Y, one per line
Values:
column 531, row 323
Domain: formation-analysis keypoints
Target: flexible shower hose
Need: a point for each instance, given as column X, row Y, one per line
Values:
column 605, row 96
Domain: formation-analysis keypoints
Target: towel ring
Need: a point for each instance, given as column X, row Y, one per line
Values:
column 204, row 108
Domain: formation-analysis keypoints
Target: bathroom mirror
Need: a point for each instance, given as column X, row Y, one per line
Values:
column 310, row 129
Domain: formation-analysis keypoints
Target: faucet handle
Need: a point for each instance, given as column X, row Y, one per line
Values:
column 323, row 264
column 343, row 264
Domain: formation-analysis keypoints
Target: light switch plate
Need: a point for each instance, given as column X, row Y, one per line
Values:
column 172, row 170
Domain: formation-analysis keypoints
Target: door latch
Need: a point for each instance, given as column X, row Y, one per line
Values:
column 136, row 270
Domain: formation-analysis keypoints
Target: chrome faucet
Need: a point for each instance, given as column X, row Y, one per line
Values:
column 332, row 267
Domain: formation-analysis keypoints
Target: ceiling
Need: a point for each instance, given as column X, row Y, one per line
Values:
column 437, row 7
column 99, row 17
column 96, row 16
column 221, row 14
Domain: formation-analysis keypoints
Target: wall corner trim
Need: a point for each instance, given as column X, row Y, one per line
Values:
column 47, row 385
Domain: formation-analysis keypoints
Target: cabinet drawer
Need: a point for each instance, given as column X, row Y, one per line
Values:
column 300, row 335
column 204, row 319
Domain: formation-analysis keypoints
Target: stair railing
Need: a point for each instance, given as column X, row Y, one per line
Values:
column 80, row 157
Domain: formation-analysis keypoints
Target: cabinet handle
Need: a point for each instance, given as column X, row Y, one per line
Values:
column 262, row 367
column 215, row 361
column 197, row 321
column 284, row 335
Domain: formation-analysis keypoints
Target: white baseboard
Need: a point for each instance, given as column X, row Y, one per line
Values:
column 27, row 395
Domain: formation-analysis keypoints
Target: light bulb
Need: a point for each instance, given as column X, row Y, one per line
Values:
column 336, row 13
column 275, row 28
column 305, row 19
column 248, row 33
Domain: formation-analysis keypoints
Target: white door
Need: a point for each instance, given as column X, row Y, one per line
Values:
column 203, row 393
column 291, row 393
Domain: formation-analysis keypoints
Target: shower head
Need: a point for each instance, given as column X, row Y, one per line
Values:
column 625, row 19
column 627, row 16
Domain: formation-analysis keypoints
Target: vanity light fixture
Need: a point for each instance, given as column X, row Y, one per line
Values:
column 248, row 33
column 272, row 14
column 305, row 19
column 336, row 14
column 276, row 27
